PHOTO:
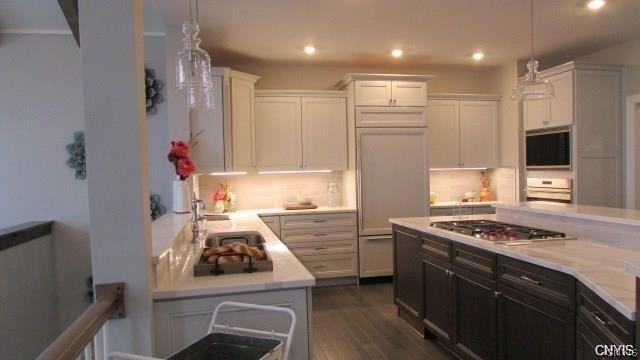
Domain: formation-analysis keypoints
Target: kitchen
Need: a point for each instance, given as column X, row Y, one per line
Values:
column 404, row 196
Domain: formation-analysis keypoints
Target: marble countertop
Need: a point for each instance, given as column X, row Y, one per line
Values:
column 281, row 211
column 586, row 212
column 287, row 272
column 598, row 266
column 438, row 204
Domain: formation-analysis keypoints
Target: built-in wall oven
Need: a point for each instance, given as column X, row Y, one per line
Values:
column 549, row 150
column 554, row 190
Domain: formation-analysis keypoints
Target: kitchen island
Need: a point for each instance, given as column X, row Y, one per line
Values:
column 183, row 303
column 547, row 299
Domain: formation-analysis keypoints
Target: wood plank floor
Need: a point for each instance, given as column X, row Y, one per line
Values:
column 361, row 322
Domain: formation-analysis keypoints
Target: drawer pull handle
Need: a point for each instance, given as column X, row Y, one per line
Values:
column 320, row 266
column 528, row 279
column 321, row 248
column 599, row 319
column 319, row 221
column 319, row 234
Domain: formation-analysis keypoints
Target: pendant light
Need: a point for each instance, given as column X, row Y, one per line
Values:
column 193, row 65
column 530, row 87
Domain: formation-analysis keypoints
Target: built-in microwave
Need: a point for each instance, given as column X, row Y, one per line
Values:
column 549, row 150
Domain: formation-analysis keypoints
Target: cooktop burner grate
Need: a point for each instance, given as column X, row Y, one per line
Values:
column 498, row 231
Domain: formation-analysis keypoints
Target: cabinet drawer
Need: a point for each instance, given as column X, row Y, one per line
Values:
column 328, row 266
column 375, row 256
column 603, row 319
column 273, row 223
column 317, row 221
column 300, row 236
column 436, row 246
column 484, row 210
column 478, row 261
column 324, row 248
column 549, row 285
column 391, row 117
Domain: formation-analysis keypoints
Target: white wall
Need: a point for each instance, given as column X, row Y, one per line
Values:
column 41, row 106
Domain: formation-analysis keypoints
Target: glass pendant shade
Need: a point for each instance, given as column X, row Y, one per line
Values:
column 530, row 87
column 193, row 68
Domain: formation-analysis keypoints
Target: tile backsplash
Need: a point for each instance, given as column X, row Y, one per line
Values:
column 451, row 185
column 255, row 191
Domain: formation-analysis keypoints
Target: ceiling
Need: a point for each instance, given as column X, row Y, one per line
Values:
column 429, row 31
column 363, row 32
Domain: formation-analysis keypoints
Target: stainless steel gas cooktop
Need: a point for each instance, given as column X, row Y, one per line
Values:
column 499, row 232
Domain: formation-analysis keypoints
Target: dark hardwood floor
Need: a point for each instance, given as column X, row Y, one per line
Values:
column 361, row 322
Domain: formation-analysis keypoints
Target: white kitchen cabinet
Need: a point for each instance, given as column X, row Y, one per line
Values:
column 463, row 133
column 443, row 119
column 478, row 133
column 383, row 154
column 324, row 133
column 301, row 130
column 390, row 93
column 225, row 133
column 378, row 116
column 376, row 256
column 278, row 133
column 554, row 112
column 181, row 322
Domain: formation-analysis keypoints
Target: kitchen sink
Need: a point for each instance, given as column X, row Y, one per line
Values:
column 248, row 237
column 216, row 217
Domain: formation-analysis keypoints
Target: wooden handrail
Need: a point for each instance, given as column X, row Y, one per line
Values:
column 71, row 343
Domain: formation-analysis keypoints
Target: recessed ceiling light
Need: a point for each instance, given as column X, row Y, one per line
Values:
column 596, row 4
column 396, row 53
column 309, row 50
column 477, row 56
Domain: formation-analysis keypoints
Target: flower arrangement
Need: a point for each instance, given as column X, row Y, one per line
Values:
column 179, row 157
column 485, row 194
column 223, row 199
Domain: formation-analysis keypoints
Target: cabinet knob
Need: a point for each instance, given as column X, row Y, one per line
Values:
column 496, row 294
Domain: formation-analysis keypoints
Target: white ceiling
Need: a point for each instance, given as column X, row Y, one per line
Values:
column 45, row 15
column 430, row 31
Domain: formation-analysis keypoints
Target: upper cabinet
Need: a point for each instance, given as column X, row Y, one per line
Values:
column 555, row 112
column 305, row 130
column 463, row 131
column 391, row 93
column 225, row 133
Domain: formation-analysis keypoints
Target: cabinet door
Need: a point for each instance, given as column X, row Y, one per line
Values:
column 378, row 116
column 324, row 133
column 208, row 151
column 409, row 93
column 373, row 93
column 536, row 114
column 393, row 177
column 407, row 275
column 530, row 328
column 478, row 133
column 474, row 313
column 437, row 298
column 444, row 133
column 242, row 126
column 376, row 256
column 278, row 133
column 561, row 106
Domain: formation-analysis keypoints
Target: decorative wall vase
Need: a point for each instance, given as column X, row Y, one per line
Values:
column 77, row 160
column 485, row 194
column 181, row 198
column 219, row 206
column 152, row 87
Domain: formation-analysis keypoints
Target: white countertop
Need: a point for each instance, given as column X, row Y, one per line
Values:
column 438, row 204
column 586, row 212
column 281, row 211
column 287, row 272
column 599, row 267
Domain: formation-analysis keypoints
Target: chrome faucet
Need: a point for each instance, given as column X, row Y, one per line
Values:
column 196, row 218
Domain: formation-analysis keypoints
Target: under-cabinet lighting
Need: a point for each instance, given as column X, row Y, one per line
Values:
column 453, row 169
column 396, row 53
column 228, row 173
column 478, row 55
column 293, row 172
column 309, row 50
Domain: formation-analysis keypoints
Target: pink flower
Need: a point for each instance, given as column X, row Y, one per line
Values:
column 185, row 167
column 179, row 150
column 219, row 194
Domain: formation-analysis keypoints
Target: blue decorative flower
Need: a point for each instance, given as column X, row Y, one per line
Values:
column 157, row 209
column 76, row 152
column 152, row 91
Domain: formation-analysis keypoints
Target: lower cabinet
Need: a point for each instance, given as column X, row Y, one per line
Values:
column 531, row 328
column 437, row 298
column 475, row 315
column 376, row 256
column 407, row 270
